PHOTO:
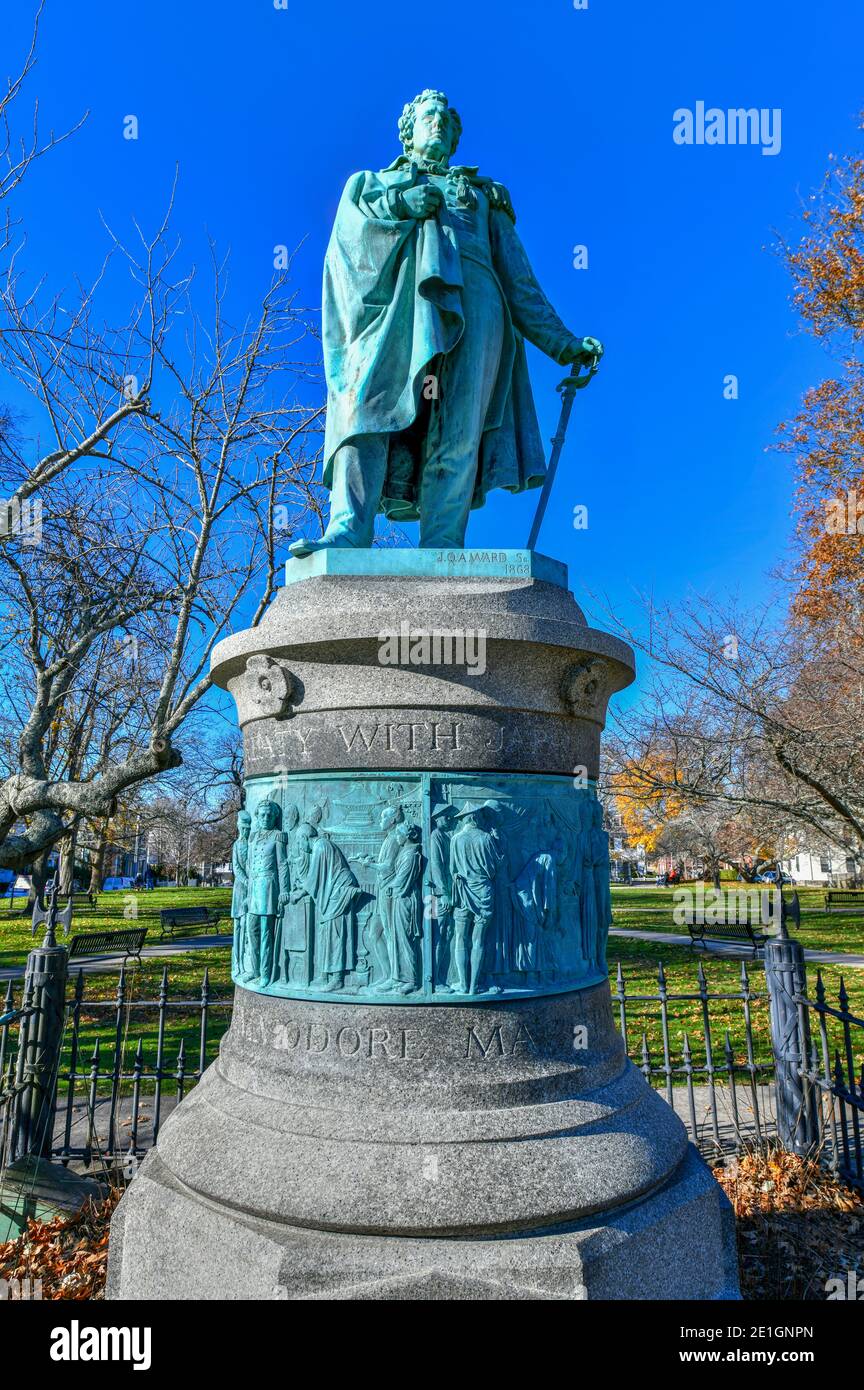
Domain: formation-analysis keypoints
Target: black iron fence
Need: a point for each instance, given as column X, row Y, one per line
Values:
column 121, row 1066
column 683, row 1043
column 754, row 1064
column 746, row 1063
column 832, row 1077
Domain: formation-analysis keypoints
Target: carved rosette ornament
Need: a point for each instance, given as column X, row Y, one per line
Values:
column 265, row 690
column 584, row 687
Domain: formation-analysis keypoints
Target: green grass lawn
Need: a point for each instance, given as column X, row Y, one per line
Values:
column 138, row 1015
column 819, row 931
column 640, row 961
column 112, row 912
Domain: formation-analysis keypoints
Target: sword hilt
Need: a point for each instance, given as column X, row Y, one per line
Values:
column 578, row 379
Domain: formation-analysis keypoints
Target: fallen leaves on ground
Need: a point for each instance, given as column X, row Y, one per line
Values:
column 69, row 1253
column 797, row 1225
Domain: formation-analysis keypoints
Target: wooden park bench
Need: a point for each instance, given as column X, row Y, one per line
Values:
column 750, row 926
column 85, row 899
column 183, row 919
column 844, row 898
column 128, row 940
column 748, row 930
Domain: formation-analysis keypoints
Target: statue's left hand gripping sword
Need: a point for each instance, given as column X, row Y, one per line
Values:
column 568, row 388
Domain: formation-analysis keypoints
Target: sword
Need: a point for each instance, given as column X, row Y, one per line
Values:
column 568, row 388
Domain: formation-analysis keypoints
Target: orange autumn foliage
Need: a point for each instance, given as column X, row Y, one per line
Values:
column 826, row 438
column 644, row 800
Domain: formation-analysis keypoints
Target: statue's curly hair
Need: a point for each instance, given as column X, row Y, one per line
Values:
column 406, row 120
column 268, row 801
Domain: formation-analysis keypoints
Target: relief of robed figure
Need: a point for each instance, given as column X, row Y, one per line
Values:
column 335, row 893
column 293, row 944
column 537, row 888
column 406, row 911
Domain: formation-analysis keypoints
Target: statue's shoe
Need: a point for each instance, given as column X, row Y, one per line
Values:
column 304, row 546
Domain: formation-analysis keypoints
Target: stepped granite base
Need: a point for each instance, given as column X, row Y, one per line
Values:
column 422, row 1093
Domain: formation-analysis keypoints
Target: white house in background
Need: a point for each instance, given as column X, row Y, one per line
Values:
column 830, row 866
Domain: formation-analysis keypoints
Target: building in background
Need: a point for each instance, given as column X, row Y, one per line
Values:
column 832, row 867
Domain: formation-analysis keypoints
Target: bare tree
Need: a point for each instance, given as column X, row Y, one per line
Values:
column 192, row 440
column 21, row 145
column 753, row 715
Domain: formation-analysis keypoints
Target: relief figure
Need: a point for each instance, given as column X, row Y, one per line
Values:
column 334, row 891
column 441, row 883
column 240, row 892
column 268, row 891
column 474, row 865
column 406, row 911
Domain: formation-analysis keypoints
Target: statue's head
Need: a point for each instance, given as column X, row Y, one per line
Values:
column 244, row 824
column 267, row 815
column 430, row 127
column 470, row 816
column 390, row 816
column 292, row 815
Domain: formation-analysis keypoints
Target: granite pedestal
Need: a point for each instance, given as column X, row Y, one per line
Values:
column 395, row 1114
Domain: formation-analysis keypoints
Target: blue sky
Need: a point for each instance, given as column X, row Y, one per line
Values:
column 267, row 111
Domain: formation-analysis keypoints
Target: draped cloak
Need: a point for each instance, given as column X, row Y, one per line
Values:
column 405, row 924
column 392, row 302
column 334, row 890
column 537, row 890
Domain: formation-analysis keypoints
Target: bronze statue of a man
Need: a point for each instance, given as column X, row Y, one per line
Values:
column 428, row 298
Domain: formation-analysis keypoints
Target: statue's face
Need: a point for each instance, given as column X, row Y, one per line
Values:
column 433, row 134
column 243, row 827
column 265, row 815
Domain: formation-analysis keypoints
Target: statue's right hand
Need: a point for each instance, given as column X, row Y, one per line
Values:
column 423, row 201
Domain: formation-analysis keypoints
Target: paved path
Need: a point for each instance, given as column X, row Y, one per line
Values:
column 734, row 949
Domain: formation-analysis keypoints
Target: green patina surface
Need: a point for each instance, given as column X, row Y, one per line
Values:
column 422, row 887
column 427, row 303
column 479, row 563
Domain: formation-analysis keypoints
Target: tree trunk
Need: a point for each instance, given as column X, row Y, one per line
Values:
column 67, row 862
column 97, row 866
column 38, row 879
